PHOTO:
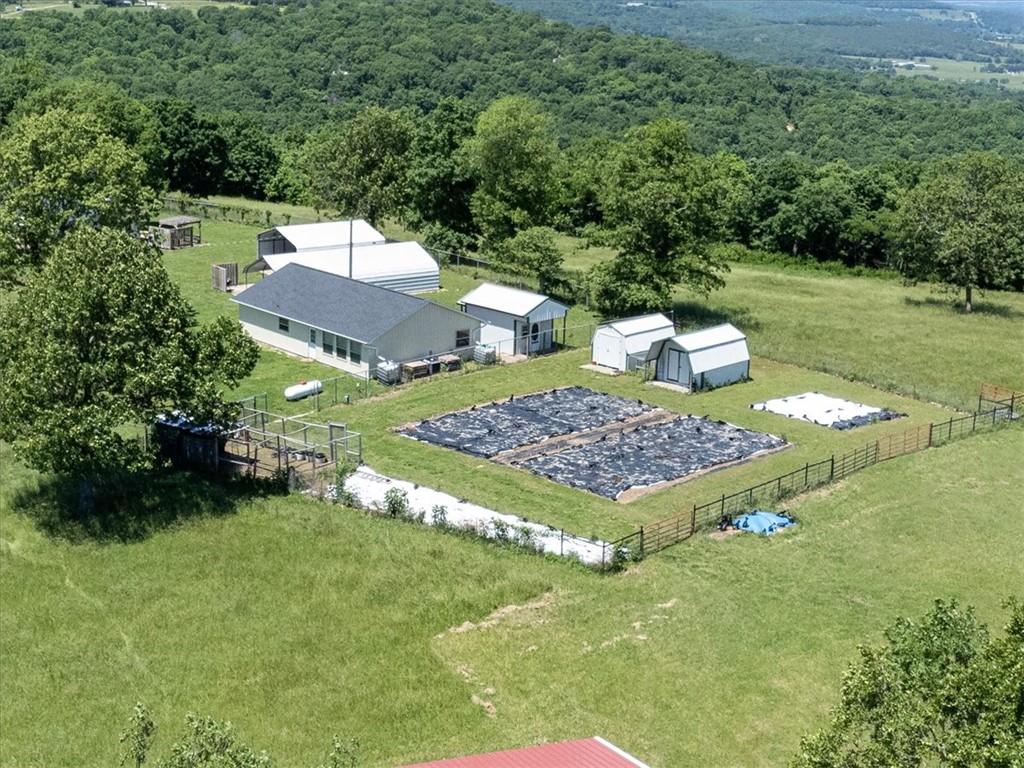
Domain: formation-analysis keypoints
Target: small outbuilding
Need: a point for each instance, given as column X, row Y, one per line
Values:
column 180, row 232
column 712, row 357
column 517, row 322
column 349, row 324
column 623, row 344
column 351, row 249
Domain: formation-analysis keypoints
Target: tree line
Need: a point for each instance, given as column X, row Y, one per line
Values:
column 302, row 65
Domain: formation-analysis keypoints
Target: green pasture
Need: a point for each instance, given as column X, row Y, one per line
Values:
column 962, row 71
column 297, row 620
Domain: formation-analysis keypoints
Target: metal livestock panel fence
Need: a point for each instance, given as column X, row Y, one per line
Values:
column 661, row 534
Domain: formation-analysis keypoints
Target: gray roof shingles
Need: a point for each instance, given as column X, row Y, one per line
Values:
column 332, row 303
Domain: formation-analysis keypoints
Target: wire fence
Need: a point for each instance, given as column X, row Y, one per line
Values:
column 1001, row 406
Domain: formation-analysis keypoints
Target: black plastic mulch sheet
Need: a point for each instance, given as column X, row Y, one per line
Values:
column 488, row 430
column 870, row 418
column 651, row 455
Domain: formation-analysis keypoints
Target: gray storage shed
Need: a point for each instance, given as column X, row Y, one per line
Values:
column 712, row 357
column 349, row 324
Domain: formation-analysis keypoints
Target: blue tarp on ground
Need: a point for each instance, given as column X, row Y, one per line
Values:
column 762, row 522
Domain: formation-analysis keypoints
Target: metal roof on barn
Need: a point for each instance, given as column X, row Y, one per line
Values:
column 512, row 301
column 581, row 753
column 352, row 308
column 709, row 348
column 328, row 234
column 371, row 262
column 632, row 326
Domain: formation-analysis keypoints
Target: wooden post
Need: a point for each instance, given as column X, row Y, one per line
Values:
column 693, row 520
column 832, row 468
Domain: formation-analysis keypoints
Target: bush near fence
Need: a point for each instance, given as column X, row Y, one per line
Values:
column 1001, row 406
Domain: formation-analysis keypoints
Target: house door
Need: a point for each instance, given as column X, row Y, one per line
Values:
column 675, row 366
column 523, row 345
column 312, row 342
column 535, row 337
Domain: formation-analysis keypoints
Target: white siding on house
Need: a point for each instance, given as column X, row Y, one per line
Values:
column 430, row 331
column 263, row 327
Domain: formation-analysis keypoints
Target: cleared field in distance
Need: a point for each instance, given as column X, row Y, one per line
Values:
column 963, row 71
column 297, row 620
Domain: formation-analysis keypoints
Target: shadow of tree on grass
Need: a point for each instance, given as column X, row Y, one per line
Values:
column 978, row 307
column 694, row 313
column 133, row 506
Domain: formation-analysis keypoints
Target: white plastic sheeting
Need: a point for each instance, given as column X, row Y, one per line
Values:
column 370, row 489
column 817, row 408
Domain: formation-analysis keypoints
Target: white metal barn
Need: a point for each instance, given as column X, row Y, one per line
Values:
column 711, row 357
column 350, row 249
column 517, row 322
column 623, row 344
column 348, row 324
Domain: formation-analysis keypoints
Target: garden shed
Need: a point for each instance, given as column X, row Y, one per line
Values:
column 517, row 322
column 623, row 344
column 349, row 324
column 712, row 357
column 351, row 249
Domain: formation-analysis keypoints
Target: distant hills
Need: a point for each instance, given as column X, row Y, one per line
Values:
column 848, row 34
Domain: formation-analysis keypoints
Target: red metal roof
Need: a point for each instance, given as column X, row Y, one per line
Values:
column 581, row 753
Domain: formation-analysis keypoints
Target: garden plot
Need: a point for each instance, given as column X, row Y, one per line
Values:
column 592, row 441
column 488, row 430
column 827, row 411
column 650, row 455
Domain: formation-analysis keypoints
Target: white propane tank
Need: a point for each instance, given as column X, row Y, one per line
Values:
column 303, row 389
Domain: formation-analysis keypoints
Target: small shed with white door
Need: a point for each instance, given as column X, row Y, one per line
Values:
column 623, row 344
column 517, row 322
column 712, row 357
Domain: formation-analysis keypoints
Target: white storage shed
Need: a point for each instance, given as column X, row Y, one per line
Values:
column 350, row 249
column 517, row 322
column 623, row 344
column 712, row 357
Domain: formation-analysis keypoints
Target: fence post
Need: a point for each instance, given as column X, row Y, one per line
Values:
column 807, row 473
column 723, row 505
column 949, row 432
column 832, row 468
column 693, row 520
column 930, row 434
column 641, row 547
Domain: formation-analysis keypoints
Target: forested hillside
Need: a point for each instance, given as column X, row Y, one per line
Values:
column 301, row 65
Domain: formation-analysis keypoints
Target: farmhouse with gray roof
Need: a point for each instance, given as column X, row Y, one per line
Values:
column 349, row 324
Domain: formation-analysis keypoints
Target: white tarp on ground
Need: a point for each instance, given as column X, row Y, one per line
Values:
column 816, row 408
column 370, row 488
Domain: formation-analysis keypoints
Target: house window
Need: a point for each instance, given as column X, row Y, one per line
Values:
column 328, row 343
column 461, row 339
column 340, row 346
column 355, row 351
column 282, row 324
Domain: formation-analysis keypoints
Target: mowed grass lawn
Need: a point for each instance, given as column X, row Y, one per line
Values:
column 297, row 620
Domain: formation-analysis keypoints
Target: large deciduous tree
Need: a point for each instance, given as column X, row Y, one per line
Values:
column 940, row 692
column 963, row 225
column 58, row 170
column 361, row 167
column 512, row 155
column 665, row 204
column 99, row 342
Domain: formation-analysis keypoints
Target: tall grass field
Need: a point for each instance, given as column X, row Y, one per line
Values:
column 297, row 620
